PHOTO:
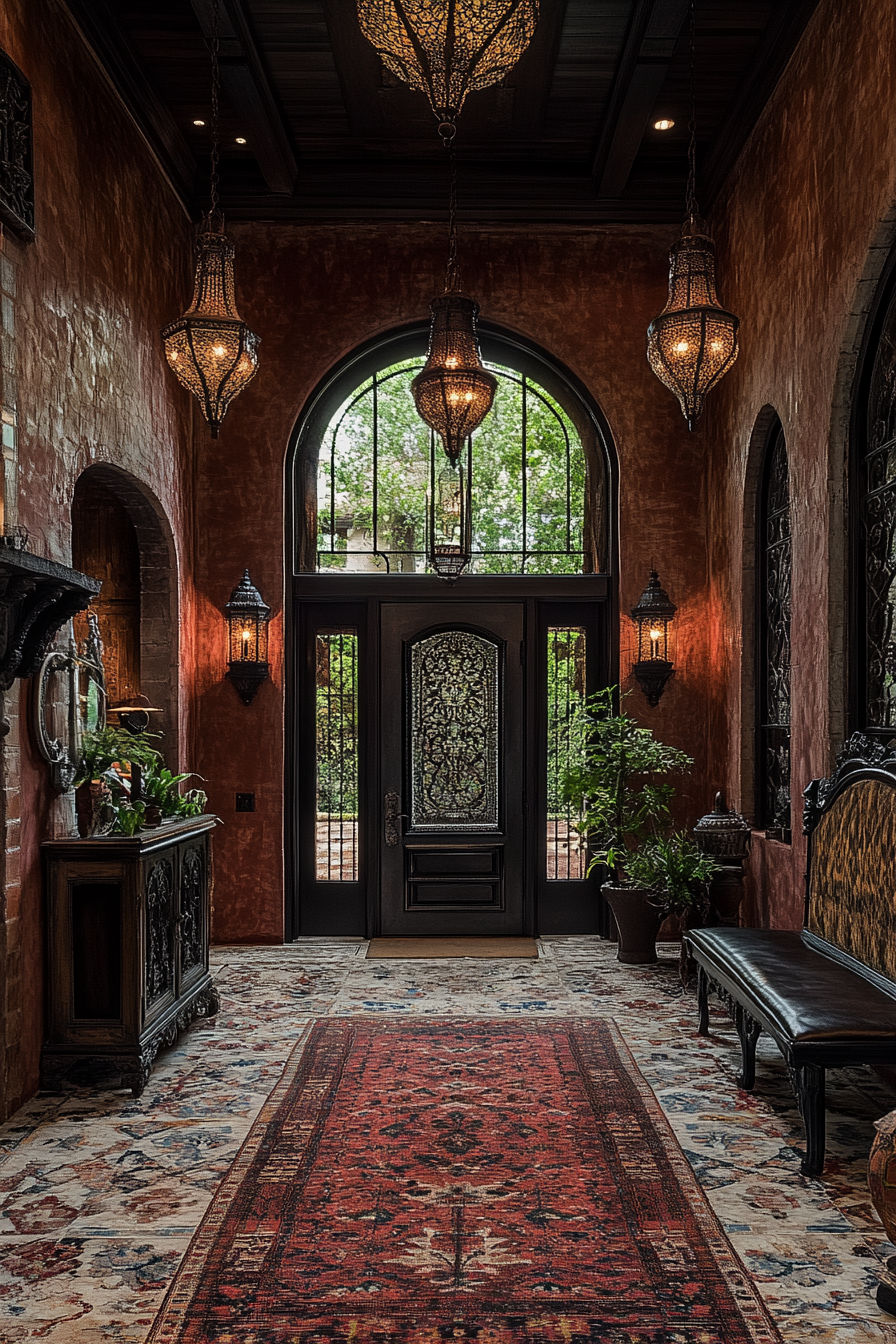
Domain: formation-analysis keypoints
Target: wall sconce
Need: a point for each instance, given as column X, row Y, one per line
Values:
column 247, row 629
column 653, row 616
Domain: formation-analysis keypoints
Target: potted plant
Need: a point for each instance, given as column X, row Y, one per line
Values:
column 676, row 873
column 105, row 778
column 620, row 790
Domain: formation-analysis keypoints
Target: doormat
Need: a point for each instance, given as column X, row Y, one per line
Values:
column 418, row 948
column 489, row 1181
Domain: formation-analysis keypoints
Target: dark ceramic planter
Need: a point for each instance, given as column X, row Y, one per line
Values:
column 638, row 923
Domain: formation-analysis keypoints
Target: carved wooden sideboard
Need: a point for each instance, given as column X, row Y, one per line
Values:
column 128, row 935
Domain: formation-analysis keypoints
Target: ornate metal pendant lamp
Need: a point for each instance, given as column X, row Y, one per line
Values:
column 693, row 342
column 210, row 349
column 447, row 48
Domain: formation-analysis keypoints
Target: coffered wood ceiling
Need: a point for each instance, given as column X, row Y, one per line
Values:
column 331, row 135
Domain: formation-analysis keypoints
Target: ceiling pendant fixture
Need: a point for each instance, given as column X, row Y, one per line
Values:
column 210, row 349
column 448, row 48
column 693, row 342
column 453, row 393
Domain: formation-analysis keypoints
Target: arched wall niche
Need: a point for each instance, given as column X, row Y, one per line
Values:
column 118, row 522
column 498, row 346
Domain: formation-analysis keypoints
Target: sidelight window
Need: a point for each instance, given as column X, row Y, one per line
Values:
column 336, row 715
column 567, row 857
column 528, row 482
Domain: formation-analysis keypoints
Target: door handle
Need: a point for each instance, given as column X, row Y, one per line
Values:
column 392, row 815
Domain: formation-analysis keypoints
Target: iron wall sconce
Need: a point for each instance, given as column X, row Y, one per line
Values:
column 652, row 616
column 247, row 633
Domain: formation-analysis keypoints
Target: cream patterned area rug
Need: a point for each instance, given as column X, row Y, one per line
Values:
column 422, row 949
column 100, row 1193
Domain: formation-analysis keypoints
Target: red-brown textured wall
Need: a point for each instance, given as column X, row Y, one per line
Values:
column 314, row 294
column 108, row 267
column 794, row 227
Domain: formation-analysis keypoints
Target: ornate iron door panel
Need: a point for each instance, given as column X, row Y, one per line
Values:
column 452, row 750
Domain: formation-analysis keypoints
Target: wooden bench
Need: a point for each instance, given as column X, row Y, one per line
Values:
column 826, row 995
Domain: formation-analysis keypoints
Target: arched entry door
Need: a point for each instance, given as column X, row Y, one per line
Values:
column 433, row 722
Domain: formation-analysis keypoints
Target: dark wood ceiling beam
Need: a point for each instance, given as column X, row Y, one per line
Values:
column 246, row 83
column 642, row 71
column 786, row 25
column 99, row 26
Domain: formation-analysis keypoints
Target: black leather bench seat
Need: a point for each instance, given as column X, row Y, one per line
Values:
column 807, row 996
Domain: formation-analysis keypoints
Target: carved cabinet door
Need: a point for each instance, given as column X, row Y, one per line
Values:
column 452, row 769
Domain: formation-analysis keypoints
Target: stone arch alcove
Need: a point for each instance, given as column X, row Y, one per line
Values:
column 121, row 535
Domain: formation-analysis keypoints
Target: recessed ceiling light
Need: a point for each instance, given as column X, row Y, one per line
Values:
column 664, row 124
column 197, row 121
column 240, row 140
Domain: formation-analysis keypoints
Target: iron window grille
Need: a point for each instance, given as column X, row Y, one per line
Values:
column 775, row 549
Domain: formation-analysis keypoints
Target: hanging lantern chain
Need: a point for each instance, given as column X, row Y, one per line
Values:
column 452, row 275
column 691, row 202
column 216, row 83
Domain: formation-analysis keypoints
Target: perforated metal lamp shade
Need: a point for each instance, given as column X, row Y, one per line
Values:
column 447, row 48
column 210, row 349
column 652, row 615
column 453, row 392
column 693, row 342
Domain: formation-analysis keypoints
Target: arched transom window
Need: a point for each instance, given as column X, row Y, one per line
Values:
column 529, row 482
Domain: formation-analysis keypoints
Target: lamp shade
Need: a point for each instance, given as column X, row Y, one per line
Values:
column 693, row 342
column 448, row 48
column 247, row 623
column 210, row 349
column 453, row 392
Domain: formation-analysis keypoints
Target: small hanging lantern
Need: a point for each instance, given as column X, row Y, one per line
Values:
column 210, row 349
column 448, row 49
column 453, row 392
column 652, row 617
column 247, row 634
column 450, row 517
column 692, row 344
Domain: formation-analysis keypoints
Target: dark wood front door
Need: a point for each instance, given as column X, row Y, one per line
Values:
column 432, row 729
column 452, row 769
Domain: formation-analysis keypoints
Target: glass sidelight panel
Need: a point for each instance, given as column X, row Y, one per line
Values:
column 567, row 856
column 336, row 715
column 454, row 732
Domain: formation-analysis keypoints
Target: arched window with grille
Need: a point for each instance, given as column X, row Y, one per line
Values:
column 774, row 551
column 873, row 492
column 378, row 465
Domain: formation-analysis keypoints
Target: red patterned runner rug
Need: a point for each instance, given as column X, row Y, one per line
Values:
column 483, row 1181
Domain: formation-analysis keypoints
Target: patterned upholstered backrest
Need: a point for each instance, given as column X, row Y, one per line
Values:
column 852, row 875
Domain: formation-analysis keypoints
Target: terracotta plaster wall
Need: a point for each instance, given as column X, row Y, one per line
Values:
column 110, row 264
column 316, row 293
column 806, row 203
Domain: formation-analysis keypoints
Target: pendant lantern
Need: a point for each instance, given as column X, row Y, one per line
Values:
column 692, row 344
column 453, row 392
column 448, row 48
column 210, row 349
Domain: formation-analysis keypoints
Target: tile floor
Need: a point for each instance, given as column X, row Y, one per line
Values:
column 100, row 1193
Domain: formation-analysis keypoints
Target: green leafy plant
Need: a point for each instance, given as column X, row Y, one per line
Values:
column 162, row 789
column 617, row 783
column 103, row 749
column 675, row 870
column 108, row 755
